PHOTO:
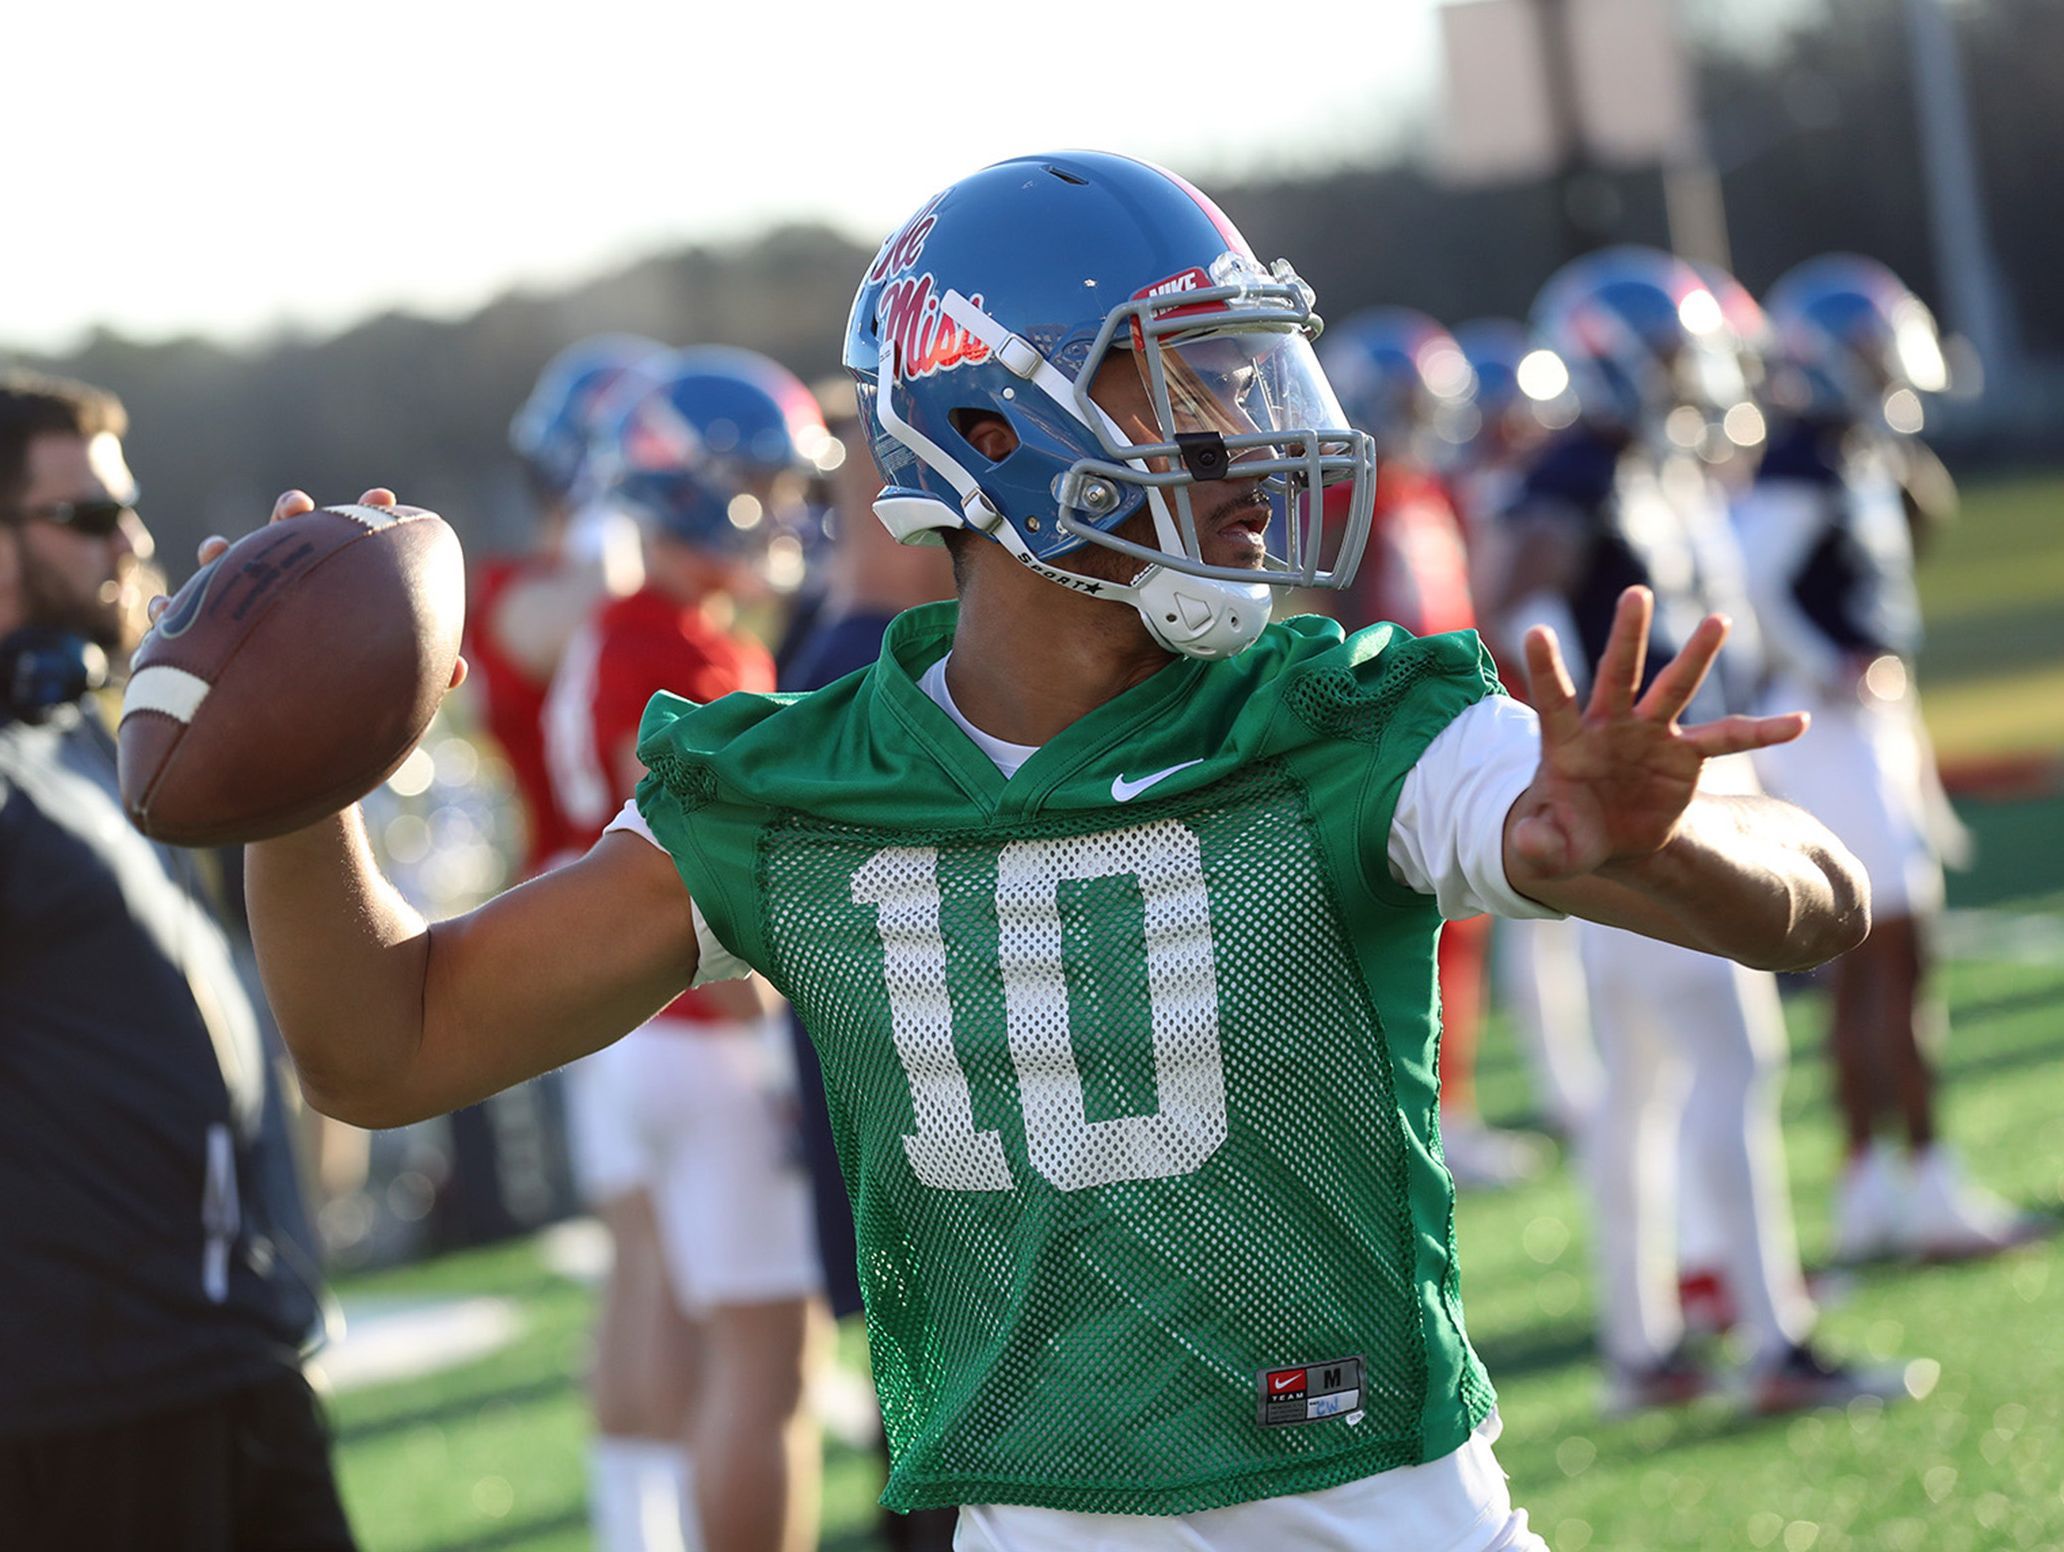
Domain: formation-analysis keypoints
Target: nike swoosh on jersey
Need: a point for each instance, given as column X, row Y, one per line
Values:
column 1123, row 791
column 1286, row 1381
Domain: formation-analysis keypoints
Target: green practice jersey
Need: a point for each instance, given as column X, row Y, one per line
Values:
column 1130, row 1059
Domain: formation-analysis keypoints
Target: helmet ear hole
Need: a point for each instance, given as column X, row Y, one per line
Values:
column 987, row 432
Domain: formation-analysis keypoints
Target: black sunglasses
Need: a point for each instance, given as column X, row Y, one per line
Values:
column 96, row 519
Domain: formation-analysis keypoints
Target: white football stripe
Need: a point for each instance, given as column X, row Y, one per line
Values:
column 173, row 691
column 372, row 517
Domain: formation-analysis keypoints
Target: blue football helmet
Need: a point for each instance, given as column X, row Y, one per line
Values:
column 553, row 431
column 717, row 452
column 754, row 414
column 1853, row 343
column 1400, row 377
column 1007, row 294
column 1522, row 388
column 1646, row 344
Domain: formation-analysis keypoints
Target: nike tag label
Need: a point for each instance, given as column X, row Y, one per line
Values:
column 1310, row 1394
column 1123, row 791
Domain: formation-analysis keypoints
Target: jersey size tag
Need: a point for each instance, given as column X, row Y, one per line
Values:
column 1310, row 1393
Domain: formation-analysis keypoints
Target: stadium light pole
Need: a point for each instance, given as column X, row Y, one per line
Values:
column 1964, row 259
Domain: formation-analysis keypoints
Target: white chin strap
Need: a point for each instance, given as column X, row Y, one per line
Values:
column 1201, row 617
column 1194, row 616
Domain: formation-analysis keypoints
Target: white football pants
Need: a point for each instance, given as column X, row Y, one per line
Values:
column 1539, row 979
column 1671, row 1022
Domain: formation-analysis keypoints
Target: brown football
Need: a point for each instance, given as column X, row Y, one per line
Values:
column 291, row 675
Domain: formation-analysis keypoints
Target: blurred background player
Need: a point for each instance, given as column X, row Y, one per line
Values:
column 683, row 1132
column 764, row 436
column 865, row 579
column 525, row 608
column 1402, row 378
column 1734, row 444
column 1623, row 498
column 522, row 612
column 1831, row 545
column 1520, row 396
column 158, row 1284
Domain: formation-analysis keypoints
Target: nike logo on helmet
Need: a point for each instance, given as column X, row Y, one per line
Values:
column 1123, row 791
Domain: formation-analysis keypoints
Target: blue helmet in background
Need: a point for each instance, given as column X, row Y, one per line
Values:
column 714, row 452
column 552, row 433
column 1494, row 349
column 1399, row 374
column 1852, row 342
column 755, row 416
column 1007, row 293
column 1522, row 387
column 1646, row 343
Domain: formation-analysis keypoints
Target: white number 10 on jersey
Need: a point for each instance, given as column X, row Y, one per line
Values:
column 1069, row 1149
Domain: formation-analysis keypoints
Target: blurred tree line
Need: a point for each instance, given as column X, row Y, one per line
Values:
column 1813, row 134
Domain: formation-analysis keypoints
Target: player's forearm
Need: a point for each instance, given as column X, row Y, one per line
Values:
column 391, row 1021
column 343, row 957
column 1748, row 878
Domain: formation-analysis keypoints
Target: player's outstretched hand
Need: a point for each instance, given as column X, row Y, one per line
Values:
column 292, row 504
column 1617, row 775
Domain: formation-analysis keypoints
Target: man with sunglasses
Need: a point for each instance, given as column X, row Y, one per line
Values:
column 152, row 1307
column 1110, row 906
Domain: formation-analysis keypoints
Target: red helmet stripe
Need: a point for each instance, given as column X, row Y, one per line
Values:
column 1235, row 243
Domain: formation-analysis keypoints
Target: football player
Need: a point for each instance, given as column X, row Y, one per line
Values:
column 682, row 1132
column 1110, row 904
column 1622, row 499
column 1832, row 559
column 1521, row 396
column 524, row 608
column 1402, row 378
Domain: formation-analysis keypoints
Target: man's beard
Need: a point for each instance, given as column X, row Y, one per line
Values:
column 51, row 603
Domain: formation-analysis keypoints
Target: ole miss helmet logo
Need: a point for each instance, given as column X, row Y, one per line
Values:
column 924, row 339
column 907, row 314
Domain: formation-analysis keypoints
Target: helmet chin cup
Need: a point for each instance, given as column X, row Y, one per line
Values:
column 1201, row 617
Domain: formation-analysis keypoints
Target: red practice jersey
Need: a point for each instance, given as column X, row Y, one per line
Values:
column 1416, row 568
column 515, row 704
column 630, row 651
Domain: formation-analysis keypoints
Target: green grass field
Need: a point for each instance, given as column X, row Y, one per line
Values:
column 1992, row 677
column 489, row 1454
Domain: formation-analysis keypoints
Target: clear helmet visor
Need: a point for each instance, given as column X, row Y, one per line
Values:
column 1216, row 404
column 1236, row 383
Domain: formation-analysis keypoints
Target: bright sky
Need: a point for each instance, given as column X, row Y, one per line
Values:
column 224, row 166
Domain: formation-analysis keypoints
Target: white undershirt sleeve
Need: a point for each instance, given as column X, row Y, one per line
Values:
column 714, row 962
column 1447, row 836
